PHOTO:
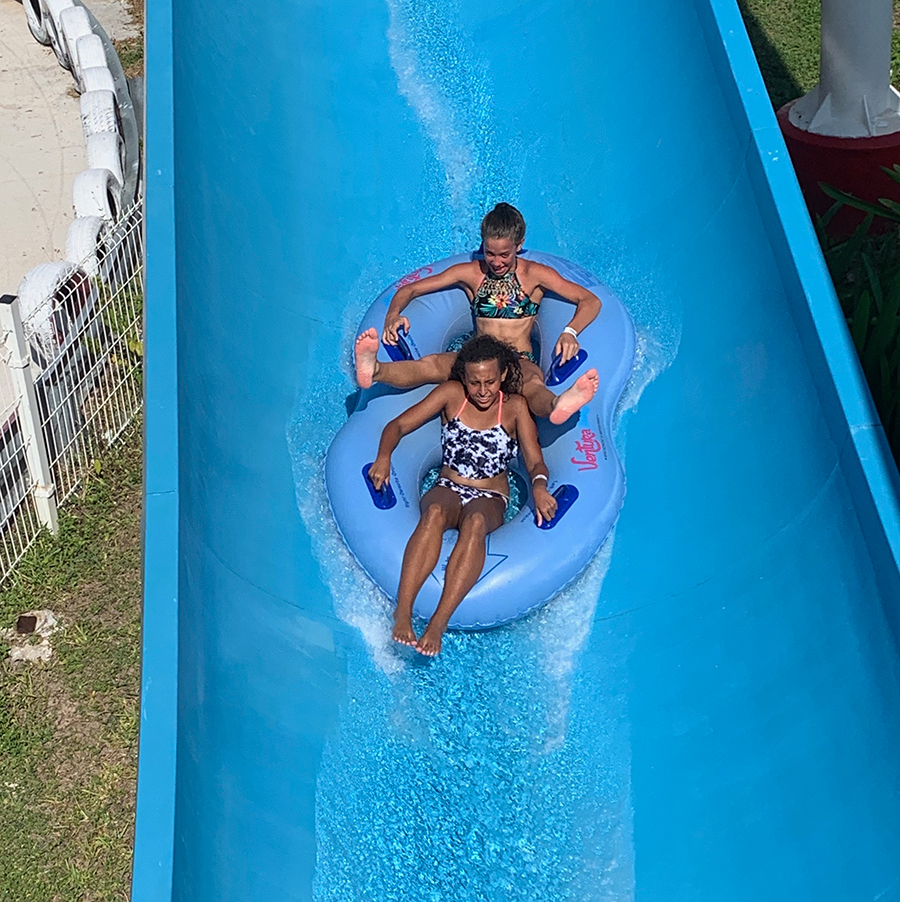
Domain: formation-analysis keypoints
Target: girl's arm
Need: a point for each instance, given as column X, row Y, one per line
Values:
column 544, row 502
column 587, row 306
column 453, row 275
column 408, row 421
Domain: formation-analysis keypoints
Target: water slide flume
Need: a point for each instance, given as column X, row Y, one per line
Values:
column 723, row 723
column 525, row 566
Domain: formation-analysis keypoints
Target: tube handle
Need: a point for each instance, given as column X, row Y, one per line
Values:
column 566, row 496
column 383, row 498
column 558, row 372
column 402, row 350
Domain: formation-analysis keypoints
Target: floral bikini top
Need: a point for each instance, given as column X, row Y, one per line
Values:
column 502, row 297
column 477, row 453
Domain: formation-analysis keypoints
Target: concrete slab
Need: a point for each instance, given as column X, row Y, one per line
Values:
column 41, row 150
column 114, row 16
column 41, row 144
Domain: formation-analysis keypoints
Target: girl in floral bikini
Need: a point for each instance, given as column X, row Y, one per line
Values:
column 505, row 292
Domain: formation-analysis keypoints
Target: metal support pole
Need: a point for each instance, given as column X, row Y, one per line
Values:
column 28, row 412
column 854, row 97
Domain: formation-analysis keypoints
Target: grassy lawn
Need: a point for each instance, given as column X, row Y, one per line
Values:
column 131, row 50
column 785, row 38
column 68, row 729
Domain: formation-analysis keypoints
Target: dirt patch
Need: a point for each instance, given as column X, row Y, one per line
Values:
column 131, row 55
column 131, row 50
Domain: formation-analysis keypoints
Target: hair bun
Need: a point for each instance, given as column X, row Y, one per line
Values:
column 504, row 221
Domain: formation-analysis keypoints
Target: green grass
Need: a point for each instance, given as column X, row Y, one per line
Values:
column 68, row 729
column 131, row 50
column 131, row 55
column 785, row 38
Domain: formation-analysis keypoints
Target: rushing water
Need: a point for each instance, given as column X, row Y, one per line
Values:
column 501, row 769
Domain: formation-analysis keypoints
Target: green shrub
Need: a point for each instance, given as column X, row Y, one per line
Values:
column 865, row 269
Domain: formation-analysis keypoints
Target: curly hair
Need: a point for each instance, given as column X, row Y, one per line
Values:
column 504, row 221
column 486, row 347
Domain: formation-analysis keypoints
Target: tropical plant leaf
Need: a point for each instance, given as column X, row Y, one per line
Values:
column 865, row 270
column 846, row 252
column 884, row 332
column 883, row 402
column 874, row 281
column 820, row 233
column 859, row 326
column 851, row 200
column 891, row 205
column 828, row 215
column 895, row 366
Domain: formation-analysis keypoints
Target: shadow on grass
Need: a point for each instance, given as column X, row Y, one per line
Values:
column 780, row 81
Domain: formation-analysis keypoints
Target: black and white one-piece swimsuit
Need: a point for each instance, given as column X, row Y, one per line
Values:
column 476, row 454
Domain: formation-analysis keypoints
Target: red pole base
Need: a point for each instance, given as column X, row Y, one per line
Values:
column 849, row 164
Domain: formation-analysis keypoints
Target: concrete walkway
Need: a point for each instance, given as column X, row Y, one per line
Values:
column 41, row 144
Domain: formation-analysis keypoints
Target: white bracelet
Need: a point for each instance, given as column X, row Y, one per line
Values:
column 539, row 476
column 571, row 331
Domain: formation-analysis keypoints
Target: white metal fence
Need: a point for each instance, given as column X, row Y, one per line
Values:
column 70, row 378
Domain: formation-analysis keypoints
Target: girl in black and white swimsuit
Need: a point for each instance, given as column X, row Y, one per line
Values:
column 485, row 423
column 476, row 454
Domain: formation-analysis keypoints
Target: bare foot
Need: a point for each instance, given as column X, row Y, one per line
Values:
column 366, row 353
column 403, row 631
column 430, row 643
column 576, row 397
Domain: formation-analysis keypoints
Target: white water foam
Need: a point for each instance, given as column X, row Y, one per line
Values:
column 317, row 416
column 451, row 144
column 562, row 627
column 450, row 93
column 422, row 745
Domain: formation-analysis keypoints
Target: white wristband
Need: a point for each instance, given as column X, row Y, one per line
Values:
column 534, row 479
column 571, row 331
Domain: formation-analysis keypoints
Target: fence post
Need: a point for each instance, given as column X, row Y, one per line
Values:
column 44, row 490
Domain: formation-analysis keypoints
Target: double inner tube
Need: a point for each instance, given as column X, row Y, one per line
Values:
column 525, row 565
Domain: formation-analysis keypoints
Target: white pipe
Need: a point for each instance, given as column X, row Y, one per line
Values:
column 854, row 97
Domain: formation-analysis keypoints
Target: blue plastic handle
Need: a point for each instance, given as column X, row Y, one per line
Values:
column 566, row 496
column 401, row 350
column 383, row 499
column 560, row 372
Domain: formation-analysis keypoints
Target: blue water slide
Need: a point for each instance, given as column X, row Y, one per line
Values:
column 711, row 712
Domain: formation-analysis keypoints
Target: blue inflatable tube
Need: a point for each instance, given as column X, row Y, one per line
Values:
column 525, row 566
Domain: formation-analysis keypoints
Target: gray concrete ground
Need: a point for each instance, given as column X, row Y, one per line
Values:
column 41, row 144
column 113, row 15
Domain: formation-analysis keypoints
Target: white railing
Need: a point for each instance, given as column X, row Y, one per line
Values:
column 71, row 359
